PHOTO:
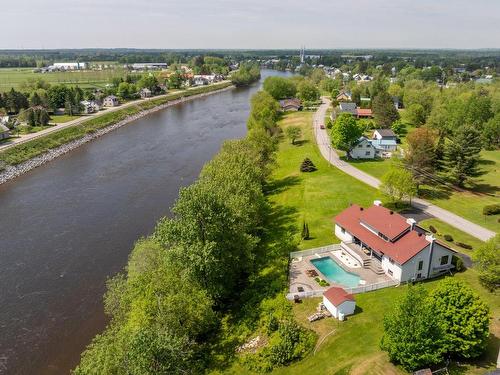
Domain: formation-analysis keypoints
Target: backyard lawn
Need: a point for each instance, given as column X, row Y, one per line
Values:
column 352, row 346
column 60, row 119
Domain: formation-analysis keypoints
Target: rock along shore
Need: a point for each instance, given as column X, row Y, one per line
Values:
column 13, row 171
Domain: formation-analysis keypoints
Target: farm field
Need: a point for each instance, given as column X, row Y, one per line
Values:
column 11, row 77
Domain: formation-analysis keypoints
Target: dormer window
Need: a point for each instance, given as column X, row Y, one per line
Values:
column 381, row 235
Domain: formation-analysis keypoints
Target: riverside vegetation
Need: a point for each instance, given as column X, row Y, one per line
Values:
column 199, row 285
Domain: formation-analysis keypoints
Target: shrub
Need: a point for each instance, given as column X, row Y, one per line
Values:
column 432, row 229
column 458, row 263
column 448, row 238
column 492, row 209
column 464, row 245
column 305, row 231
column 307, row 166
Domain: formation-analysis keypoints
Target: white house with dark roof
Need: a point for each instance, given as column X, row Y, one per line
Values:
column 363, row 149
column 388, row 243
column 384, row 140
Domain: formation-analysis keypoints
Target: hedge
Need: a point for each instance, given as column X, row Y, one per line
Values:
column 492, row 209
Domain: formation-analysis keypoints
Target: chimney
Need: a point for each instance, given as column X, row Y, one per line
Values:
column 412, row 222
column 377, row 203
column 430, row 238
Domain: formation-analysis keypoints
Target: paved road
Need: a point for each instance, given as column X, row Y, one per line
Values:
column 323, row 141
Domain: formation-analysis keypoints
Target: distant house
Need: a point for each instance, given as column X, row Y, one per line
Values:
column 111, row 101
column 398, row 104
column 344, row 96
column 384, row 140
column 90, row 106
column 4, row 132
column 484, row 80
column 347, row 107
column 339, row 303
column 363, row 149
column 364, row 113
column 145, row 93
column 291, row 105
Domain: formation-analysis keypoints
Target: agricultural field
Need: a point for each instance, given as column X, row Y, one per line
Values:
column 12, row 77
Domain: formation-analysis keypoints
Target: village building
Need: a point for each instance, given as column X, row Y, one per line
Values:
column 346, row 107
column 291, row 105
column 339, row 303
column 364, row 113
column 90, row 106
column 390, row 244
column 111, row 101
column 4, row 131
column 145, row 93
column 384, row 140
column 363, row 149
column 344, row 96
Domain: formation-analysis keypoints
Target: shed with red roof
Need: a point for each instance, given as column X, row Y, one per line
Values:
column 338, row 302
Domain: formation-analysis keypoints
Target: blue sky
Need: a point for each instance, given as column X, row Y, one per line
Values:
column 250, row 24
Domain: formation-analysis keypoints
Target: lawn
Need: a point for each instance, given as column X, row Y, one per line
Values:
column 60, row 119
column 352, row 346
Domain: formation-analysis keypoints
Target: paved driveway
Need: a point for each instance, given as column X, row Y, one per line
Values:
column 324, row 144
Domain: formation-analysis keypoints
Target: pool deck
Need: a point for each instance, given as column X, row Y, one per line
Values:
column 300, row 264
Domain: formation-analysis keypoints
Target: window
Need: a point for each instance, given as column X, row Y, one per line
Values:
column 444, row 260
column 390, row 272
column 342, row 230
column 420, row 265
column 419, row 275
column 367, row 153
column 391, row 260
column 360, row 146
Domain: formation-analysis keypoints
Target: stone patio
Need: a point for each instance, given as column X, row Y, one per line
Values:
column 301, row 262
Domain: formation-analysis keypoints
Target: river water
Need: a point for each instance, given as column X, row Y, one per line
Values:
column 67, row 226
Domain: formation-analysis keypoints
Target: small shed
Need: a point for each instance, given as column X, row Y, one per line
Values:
column 338, row 302
column 145, row 93
column 291, row 105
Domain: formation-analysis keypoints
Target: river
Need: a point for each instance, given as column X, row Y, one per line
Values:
column 68, row 225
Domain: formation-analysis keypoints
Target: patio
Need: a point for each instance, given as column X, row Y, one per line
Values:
column 301, row 264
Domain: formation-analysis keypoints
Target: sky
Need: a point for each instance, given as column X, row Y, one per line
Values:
column 254, row 24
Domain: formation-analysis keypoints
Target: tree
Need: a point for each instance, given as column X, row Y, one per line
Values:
column 264, row 111
column 462, row 154
column 176, row 80
column 35, row 99
column 383, row 110
column 398, row 184
column 399, row 128
column 491, row 133
column 280, row 88
column 246, row 74
column 462, row 316
column 149, row 81
column 416, row 114
column 293, row 132
column 412, row 335
column 420, row 156
column 307, row 91
column 487, row 259
column 345, row 132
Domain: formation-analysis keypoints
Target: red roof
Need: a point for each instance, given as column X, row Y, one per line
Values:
column 392, row 225
column 337, row 296
column 364, row 112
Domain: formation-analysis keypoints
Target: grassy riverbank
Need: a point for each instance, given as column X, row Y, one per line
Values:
column 31, row 149
column 352, row 346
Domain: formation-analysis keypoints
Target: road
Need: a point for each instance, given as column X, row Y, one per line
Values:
column 323, row 141
column 28, row 137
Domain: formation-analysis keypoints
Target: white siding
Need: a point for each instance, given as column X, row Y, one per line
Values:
column 393, row 268
column 438, row 252
column 346, row 307
column 346, row 236
column 410, row 268
column 366, row 151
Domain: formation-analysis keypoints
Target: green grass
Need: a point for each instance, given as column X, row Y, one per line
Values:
column 28, row 150
column 12, row 77
column 60, row 119
column 353, row 348
column 458, row 236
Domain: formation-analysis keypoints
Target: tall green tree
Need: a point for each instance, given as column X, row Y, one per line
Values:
column 264, row 112
column 412, row 336
column 462, row 154
column 491, row 133
column 487, row 259
column 280, row 88
column 416, row 114
column 345, row 132
column 398, row 184
column 463, row 318
column 307, row 91
column 420, row 156
column 383, row 110
column 293, row 132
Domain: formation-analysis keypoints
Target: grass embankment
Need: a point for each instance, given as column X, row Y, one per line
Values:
column 353, row 347
column 28, row 150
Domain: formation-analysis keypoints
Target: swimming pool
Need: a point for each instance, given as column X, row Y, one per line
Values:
column 334, row 273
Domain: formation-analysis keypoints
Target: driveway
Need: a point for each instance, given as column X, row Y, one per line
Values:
column 324, row 144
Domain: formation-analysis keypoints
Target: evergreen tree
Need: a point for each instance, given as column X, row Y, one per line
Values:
column 462, row 154
column 383, row 110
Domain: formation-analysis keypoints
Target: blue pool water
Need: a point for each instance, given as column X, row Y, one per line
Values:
column 334, row 273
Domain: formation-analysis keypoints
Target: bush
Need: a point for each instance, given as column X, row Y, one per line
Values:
column 448, row 238
column 458, row 263
column 307, row 166
column 432, row 229
column 492, row 209
column 464, row 245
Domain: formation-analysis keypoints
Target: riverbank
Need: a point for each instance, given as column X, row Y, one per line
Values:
column 54, row 145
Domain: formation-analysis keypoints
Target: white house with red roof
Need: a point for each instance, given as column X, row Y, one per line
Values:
column 338, row 302
column 389, row 243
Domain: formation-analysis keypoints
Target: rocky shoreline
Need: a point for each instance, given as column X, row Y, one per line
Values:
column 11, row 172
